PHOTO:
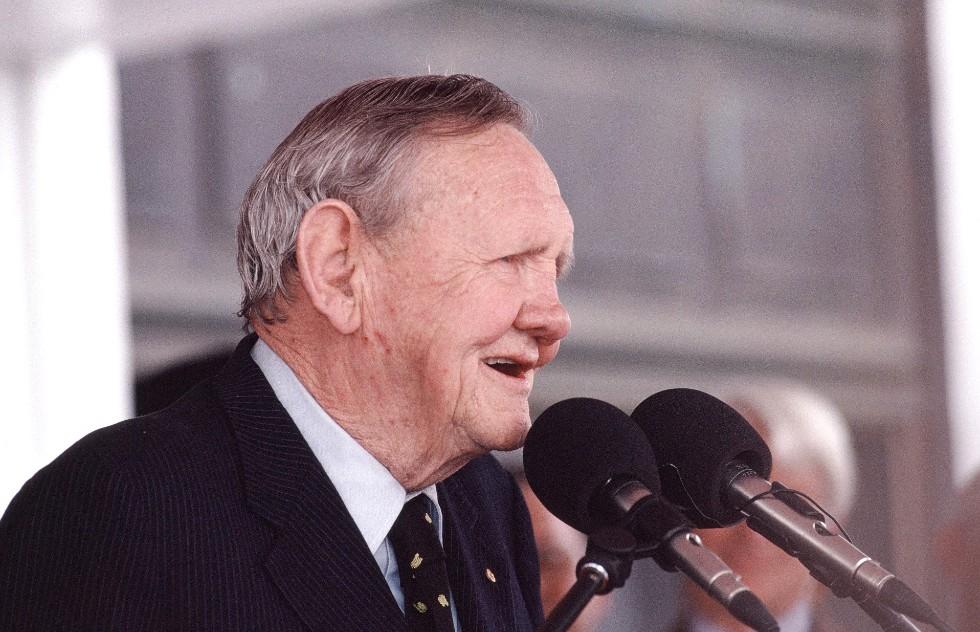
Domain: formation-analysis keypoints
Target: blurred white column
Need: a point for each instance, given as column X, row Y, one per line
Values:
column 64, row 366
column 954, row 52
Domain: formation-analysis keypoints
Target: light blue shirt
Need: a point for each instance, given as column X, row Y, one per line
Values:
column 371, row 494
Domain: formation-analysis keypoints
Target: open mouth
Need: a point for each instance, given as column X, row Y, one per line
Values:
column 507, row 367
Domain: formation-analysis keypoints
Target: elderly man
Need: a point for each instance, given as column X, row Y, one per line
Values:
column 399, row 252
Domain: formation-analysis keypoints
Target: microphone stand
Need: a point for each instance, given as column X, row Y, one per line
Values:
column 887, row 618
column 606, row 565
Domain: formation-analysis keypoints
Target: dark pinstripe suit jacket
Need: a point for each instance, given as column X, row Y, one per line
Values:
column 213, row 514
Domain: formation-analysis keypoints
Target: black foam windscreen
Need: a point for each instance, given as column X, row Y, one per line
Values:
column 574, row 448
column 696, row 438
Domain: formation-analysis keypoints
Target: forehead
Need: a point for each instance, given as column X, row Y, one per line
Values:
column 485, row 179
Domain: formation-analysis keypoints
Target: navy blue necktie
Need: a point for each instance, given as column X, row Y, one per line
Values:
column 421, row 568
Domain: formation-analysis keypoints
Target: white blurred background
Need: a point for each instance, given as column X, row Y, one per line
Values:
column 762, row 188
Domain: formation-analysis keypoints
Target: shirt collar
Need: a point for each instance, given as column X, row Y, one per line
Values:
column 371, row 494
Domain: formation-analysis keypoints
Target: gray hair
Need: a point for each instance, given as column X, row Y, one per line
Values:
column 356, row 147
column 805, row 429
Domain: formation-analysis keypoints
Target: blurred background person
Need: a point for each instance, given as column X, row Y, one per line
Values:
column 958, row 548
column 812, row 453
column 560, row 547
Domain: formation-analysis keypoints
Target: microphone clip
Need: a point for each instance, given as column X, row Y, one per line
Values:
column 606, row 565
column 609, row 553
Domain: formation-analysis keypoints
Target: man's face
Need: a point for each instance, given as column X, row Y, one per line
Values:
column 462, row 302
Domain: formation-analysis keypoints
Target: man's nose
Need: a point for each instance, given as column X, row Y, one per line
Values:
column 542, row 315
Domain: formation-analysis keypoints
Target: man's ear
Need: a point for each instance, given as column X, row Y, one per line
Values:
column 326, row 248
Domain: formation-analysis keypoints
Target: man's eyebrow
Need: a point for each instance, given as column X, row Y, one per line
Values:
column 565, row 262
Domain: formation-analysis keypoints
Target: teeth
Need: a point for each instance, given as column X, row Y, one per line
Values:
column 505, row 366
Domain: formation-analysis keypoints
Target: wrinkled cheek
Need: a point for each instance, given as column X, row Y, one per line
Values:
column 496, row 313
column 441, row 380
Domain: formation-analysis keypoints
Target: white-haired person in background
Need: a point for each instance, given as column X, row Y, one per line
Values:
column 812, row 452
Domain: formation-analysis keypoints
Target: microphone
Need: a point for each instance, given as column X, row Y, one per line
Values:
column 590, row 465
column 714, row 465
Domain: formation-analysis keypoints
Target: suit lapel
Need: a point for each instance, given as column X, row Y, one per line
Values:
column 318, row 560
column 478, row 575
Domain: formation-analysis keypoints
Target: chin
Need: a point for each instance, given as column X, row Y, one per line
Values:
column 507, row 446
column 515, row 435
column 505, row 435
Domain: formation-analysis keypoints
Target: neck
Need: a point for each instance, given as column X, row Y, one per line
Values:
column 351, row 393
